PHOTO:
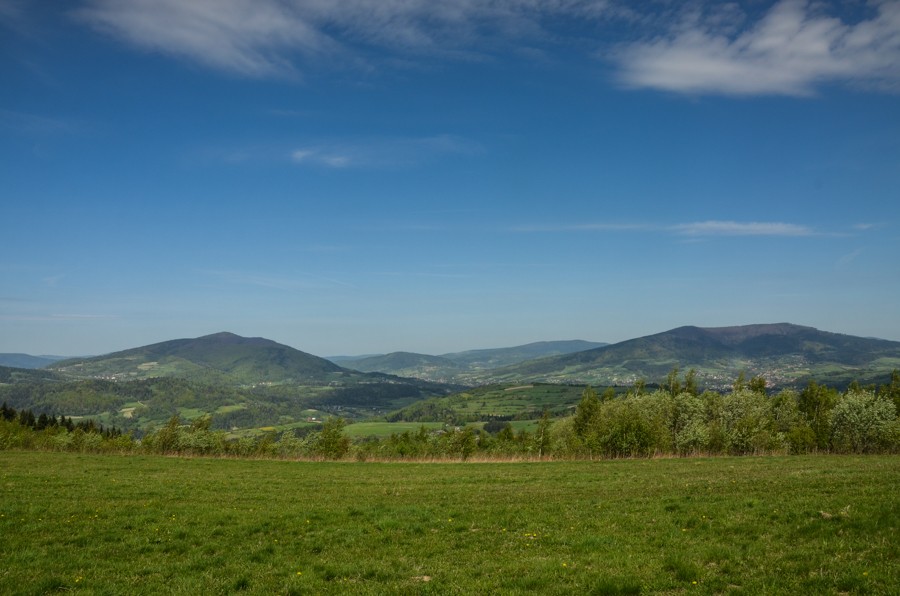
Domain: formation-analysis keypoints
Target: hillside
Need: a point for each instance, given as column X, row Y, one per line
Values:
column 784, row 354
column 219, row 357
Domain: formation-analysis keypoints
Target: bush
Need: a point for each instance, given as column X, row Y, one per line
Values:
column 862, row 422
column 330, row 442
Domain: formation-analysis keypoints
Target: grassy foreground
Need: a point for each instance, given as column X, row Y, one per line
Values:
column 146, row 525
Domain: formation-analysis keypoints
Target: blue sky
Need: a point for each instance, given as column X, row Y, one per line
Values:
column 360, row 176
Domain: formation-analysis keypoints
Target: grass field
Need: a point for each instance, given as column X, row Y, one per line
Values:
column 147, row 525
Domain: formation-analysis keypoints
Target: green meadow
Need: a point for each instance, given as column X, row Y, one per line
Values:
column 102, row 524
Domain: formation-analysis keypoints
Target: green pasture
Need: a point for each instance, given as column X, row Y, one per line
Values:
column 381, row 430
column 386, row 429
column 90, row 524
column 510, row 400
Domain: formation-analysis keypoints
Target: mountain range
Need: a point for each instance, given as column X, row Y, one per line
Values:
column 250, row 383
column 783, row 353
column 27, row 361
column 462, row 367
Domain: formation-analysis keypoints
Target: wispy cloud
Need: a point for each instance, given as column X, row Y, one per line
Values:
column 275, row 282
column 11, row 11
column 381, row 152
column 706, row 47
column 319, row 157
column 269, row 37
column 792, row 49
column 586, row 227
column 24, row 122
column 695, row 229
column 735, row 228
column 848, row 258
column 866, row 226
column 255, row 38
column 53, row 280
column 56, row 317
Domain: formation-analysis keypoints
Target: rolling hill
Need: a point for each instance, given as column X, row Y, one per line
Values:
column 783, row 353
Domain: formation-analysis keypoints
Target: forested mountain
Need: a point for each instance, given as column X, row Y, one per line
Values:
column 783, row 353
column 242, row 382
column 221, row 357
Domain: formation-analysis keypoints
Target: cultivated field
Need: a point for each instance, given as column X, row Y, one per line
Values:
column 146, row 525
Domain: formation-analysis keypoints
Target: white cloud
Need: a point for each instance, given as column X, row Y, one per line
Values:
column 791, row 50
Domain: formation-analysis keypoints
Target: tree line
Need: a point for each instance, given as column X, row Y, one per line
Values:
column 674, row 419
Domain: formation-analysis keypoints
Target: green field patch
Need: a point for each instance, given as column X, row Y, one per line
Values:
column 772, row 525
column 386, row 429
column 188, row 414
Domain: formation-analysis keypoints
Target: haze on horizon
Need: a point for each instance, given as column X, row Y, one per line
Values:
column 357, row 177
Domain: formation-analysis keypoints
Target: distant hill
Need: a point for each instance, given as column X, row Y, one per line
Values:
column 462, row 367
column 340, row 360
column 218, row 357
column 497, row 357
column 405, row 364
column 783, row 353
column 27, row 361
column 10, row 375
